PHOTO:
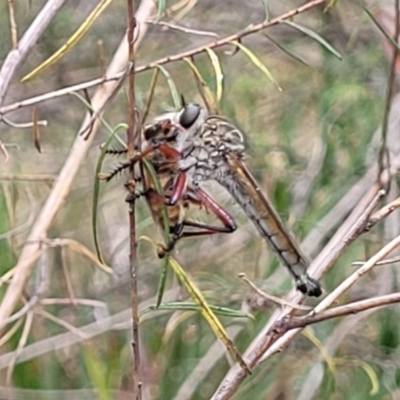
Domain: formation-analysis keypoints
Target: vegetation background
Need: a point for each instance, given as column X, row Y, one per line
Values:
column 310, row 148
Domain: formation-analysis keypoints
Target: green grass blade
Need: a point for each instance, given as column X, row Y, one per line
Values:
column 266, row 9
column 219, row 75
column 71, row 42
column 176, row 98
column 315, row 36
column 256, row 61
column 96, row 189
column 204, row 89
column 208, row 314
column 288, row 52
column 186, row 306
column 160, row 9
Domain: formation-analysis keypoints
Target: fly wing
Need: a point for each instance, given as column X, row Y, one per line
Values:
column 242, row 186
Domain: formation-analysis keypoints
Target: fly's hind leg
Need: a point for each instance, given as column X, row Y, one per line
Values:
column 200, row 198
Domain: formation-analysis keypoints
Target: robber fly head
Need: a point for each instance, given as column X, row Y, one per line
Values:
column 189, row 115
column 167, row 127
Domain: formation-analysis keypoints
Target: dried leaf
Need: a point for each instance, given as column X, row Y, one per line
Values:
column 36, row 130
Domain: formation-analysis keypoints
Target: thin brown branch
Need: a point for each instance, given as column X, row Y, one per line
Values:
column 59, row 93
column 382, row 213
column 341, row 311
column 133, row 261
column 388, row 261
column 165, row 60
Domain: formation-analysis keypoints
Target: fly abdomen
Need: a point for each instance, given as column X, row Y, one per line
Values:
column 270, row 227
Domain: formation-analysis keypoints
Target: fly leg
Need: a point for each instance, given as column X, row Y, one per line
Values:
column 169, row 152
column 201, row 198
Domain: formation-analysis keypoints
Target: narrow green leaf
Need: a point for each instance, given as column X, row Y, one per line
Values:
column 285, row 50
column 372, row 376
column 314, row 36
column 208, row 314
column 150, row 94
column 380, row 27
column 96, row 188
column 172, row 87
column 308, row 332
column 160, row 9
column 97, row 372
column 256, row 61
column 71, row 42
column 219, row 76
column 204, row 89
column 185, row 306
column 266, row 9
column 330, row 5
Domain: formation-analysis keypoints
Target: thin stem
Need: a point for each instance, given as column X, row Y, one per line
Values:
column 137, row 381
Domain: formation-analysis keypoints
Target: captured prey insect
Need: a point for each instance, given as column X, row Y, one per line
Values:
column 209, row 147
column 163, row 158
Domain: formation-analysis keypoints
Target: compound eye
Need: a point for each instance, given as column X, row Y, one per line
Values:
column 189, row 115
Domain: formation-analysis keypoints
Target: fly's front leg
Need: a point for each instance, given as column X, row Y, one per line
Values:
column 169, row 152
column 178, row 189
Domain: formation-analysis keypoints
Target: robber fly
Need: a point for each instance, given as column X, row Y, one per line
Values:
column 158, row 144
column 209, row 147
